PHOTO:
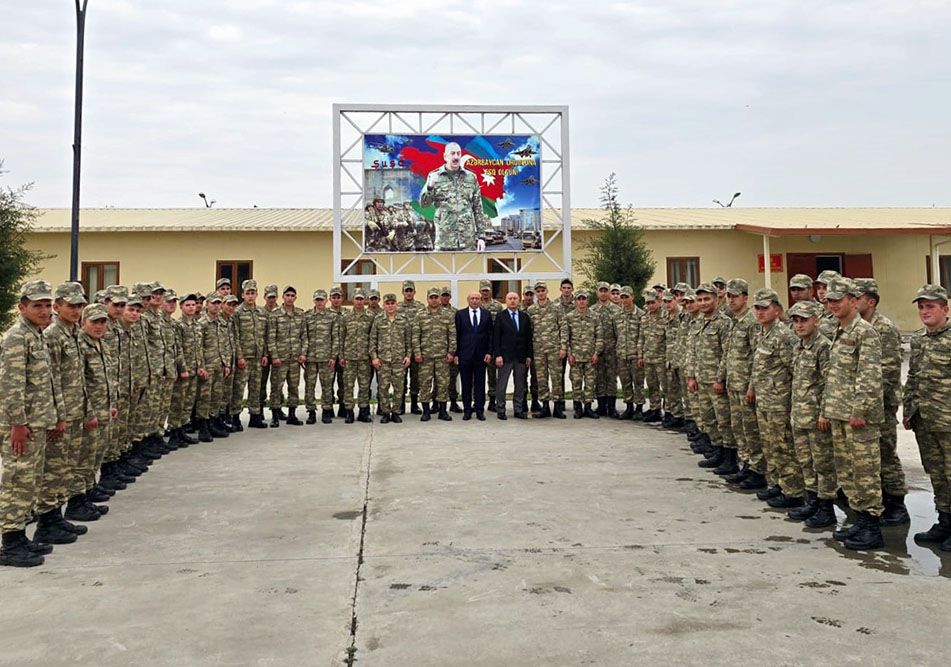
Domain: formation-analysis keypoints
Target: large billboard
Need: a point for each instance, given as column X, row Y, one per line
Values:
column 451, row 193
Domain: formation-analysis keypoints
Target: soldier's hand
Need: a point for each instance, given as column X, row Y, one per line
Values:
column 857, row 423
column 263, row 361
column 431, row 179
column 640, row 362
column 302, row 359
column 571, row 360
column 276, row 361
column 455, row 360
column 906, row 422
column 594, row 359
column 19, row 435
column 449, row 358
column 227, row 371
column 528, row 361
column 332, row 363
column 91, row 424
column 114, row 412
column 692, row 384
column 419, row 358
column 376, row 364
column 202, row 373
column 59, row 429
column 751, row 397
column 562, row 354
column 488, row 358
column 406, row 362
column 499, row 361
column 823, row 424
column 242, row 363
column 342, row 362
column 718, row 387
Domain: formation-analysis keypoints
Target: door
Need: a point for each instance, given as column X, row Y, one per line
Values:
column 857, row 266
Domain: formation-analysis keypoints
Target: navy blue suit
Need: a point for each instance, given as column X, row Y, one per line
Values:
column 472, row 344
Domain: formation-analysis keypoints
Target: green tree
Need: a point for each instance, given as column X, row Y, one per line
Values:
column 617, row 253
column 17, row 261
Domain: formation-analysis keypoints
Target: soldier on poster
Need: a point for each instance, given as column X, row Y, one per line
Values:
column 454, row 192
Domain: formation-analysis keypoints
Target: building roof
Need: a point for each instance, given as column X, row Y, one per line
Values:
column 773, row 221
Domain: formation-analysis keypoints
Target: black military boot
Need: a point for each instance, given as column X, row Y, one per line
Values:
column 402, row 409
column 327, row 416
column 204, row 435
column 78, row 510
column 174, row 439
column 414, row 405
column 455, row 407
column 769, row 492
column 809, row 507
column 98, row 495
column 846, row 532
column 395, row 418
column 275, row 419
column 782, row 501
column 536, row 406
column 612, row 407
column 601, row 405
column 191, row 426
column 292, row 417
column 216, row 429
column 385, row 418
column 729, row 464
column 559, row 411
column 341, row 411
column 868, row 537
column 667, row 421
column 628, row 412
column 544, row 410
column 653, row 416
column 236, row 423
column 579, row 409
column 364, row 415
column 589, row 413
column 225, row 420
column 443, row 415
column 715, row 459
column 676, row 424
column 690, row 428
column 738, row 476
column 348, row 418
column 823, row 516
column 895, row 513
column 15, row 551
column 49, row 530
column 280, row 414
column 425, row 417
column 638, row 415
column 939, row 532
column 311, row 417
column 753, row 481
column 256, row 421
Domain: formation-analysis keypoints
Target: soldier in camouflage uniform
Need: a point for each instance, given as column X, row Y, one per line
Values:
column 445, row 302
column 457, row 198
column 250, row 322
column 434, row 346
column 688, row 319
column 723, row 305
column 494, row 307
column 229, row 304
column 652, row 353
column 801, row 289
column 390, row 351
column 28, row 416
column 606, row 369
column 285, row 341
column 425, row 234
column 270, row 305
column 355, row 358
column 134, row 365
column 550, row 343
column 116, row 474
column 527, row 301
column 813, row 447
column 565, row 301
column 145, row 421
column 893, row 477
column 375, row 311
column 336, row 307
column 926, row 399
column 673, row 398
column 189, row 361
column 322, row 349
column 828, row 324
column 213, row 372
column 404, row 230
column 736, row 366
column 585, row 345
column 410, row 308
column 706, row 346
column 377, row 222
column 627, row 328
column 853, row 407
column 771, row 391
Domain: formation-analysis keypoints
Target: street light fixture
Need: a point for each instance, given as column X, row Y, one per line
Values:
column 77, row 140
column 728, row 204
column 208, row 204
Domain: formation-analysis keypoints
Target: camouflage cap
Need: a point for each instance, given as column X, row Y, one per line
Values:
column 336, row 290
column 249, row 285
column 374, row 294
column 222, row 281
column 320, row 294
column 615, row 287
column 117, row 294
column 485, row 284
column 172, row 295
column 540, row 284
column 805, row 309
column 134, row 300
column 931, row 293
column 627, row 291
column 603, row 285
column 231, row 298
column 826, row 277
column 765, row 297
column 445, row 291
column 705, row 287
column 681, row 287
column 213, row 297
column 690, row 295
column 289, row 288
column 668, row 295
column 100, row 296
column 71, row 293
column 270, row 290
column 142, row 289
column 800, row 280
column 866, row 285
column 95, row 311
column 432, row 291
column 358, row 294
column 191, row 296
column 200, row 297
column 36, row 290
column 649, row 295
column 409, row 284
column 719, row 280
column 529, row 288
column 839, row 288
column 658, row 285
column 156, row 286
column 581, row 294
column 388, row 297
column 737, row 286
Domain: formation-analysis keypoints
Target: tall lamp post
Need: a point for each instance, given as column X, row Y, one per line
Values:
column 77, row 139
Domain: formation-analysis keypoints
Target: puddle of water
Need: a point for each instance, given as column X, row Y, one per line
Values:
column 348, row 516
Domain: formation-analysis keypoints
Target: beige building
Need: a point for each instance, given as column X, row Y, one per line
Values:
column 189, row 249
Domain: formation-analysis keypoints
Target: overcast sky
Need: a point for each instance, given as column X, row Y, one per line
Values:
column 794, row 103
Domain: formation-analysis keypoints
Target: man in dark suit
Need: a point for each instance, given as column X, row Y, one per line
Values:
column 473, row 352
column 512, row 347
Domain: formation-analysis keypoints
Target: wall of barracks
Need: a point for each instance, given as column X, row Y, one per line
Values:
column 187, row 260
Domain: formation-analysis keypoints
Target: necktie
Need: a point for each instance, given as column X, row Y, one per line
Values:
column 475, row 321
column 514, row 319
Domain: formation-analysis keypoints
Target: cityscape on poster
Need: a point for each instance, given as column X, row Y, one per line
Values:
column 451, row 192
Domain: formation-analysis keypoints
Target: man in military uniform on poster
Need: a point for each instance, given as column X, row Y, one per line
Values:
column 454, row 192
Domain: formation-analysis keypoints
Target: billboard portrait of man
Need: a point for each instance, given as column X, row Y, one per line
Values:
column 454, row 193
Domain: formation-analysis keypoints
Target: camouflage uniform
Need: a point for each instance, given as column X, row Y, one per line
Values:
column 173, row 359
column 215, row 358
column 584, row 341
column 549, row 337
column 229, row 330
column 285, row 341
column 355, row 350
column 189, row 341
column 491, row 372
column 706, row 346
column 652, row 349
column 410, row 309
column 627, row 327
column 736, row 366
column 453, row 368
column 137, row 370
column 606, row 368
column 112, row 343
column 459, row 218
column 377, row 223
column 145, row 421
column 266, row 369
column 673, row 395
column 854, row 389
column 99, row 401
column 339, row 311
column 688, row 321
column 390, row 343
column 434, row 337
column 250, row 323
column 321, row 346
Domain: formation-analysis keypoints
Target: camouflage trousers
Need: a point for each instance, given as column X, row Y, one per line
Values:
column 858, row 465
column 20, row 479
column 59, row 468
column 227, row 391
column 168, row 388
column 627, row 371
column 413, row 373
column 434, row 379
column 341, row 383
column 935, row 450
column 548, row 370
column 453, row 382
column 356, row 373
column 689, row 398
column 247, row 378
column 313, row 371
column 127, row 421
column 583, row 381
column 288, row 372
column 390, row 379
column 746, row 430
column 90, row 457
column 208, row 402
column 158, row 406
column 491, row 376
column 183, row 400
column 265, row 383
column 673, row 399
column 782, row 467
column 816, row 460
column 119, row 426
column 713, row 415
column 140, row 426
column 606, row 373
column 655, row 374
column 893, row 476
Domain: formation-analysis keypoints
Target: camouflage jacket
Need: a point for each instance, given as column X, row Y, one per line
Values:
column 928, row 387
column 110, row 341
column 137, row 359
column 214, row 352
column 28, row 394
column 828, row 324
column 810, row 367
column 890, row 338
column 548, row 326
column 627, row 326
column 227, row 336
column 151, row 326
column 250, row 323
column 390, row 338
column 321, row 335
column 737, row 364
column 673, row 343
column 689, row 326
column 584, row 335
column 854, row 384
column 652, row 342
column 355, row 336
column 493, row 307
column 771, row 376
column 66, row 365
column 173, row 354
column 606, row 312
column 410, row 309
column 434, row 334
column 706, row 346
column 566, row 305
column 188, row 334
column 100, row 392
column 285, row 334
column 457, row 198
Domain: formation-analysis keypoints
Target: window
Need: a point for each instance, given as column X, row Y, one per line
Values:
column 362, row 267
column 98, row 275
column 944, row 265
column 502, row 287
column 683, row 270
column 235, row 270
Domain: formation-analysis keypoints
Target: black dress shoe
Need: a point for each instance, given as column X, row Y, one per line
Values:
column 480, row 416
column 501, row 415
column 521, row 415
column 466, row 416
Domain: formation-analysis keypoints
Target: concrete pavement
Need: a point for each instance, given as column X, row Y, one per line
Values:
column 496, row 543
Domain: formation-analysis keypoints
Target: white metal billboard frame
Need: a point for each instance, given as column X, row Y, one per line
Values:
column 549, row 123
